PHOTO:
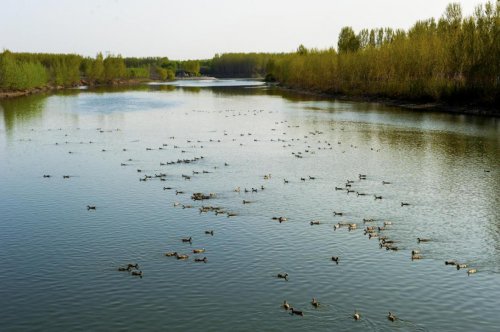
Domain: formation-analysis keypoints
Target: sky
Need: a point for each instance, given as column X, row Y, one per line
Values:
column 198, row 29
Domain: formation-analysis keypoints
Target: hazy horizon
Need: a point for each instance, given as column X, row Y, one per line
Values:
column 197, row 29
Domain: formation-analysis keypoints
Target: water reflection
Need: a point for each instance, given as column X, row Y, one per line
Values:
column 22, row 111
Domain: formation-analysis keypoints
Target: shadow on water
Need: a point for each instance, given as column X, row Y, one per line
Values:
column 21, row 111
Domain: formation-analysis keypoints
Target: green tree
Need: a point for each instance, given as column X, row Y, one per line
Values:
column 348, row 41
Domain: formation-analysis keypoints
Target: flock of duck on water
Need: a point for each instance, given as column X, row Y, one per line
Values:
column 370, row 226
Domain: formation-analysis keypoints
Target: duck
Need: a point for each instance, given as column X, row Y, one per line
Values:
column 46, row 176
column 198, row 251
column 338, row 188
column 282, row 276
column 461, row 266
column 210, row 232
column 404, row 204
column 386, row 223
column 285, row 305
column 386, row 182
column 450, row 263
column 416, row 256
column 90, row 207
column 130, row 266
column 296, row 312
column 471, row 271
column 391, row 317
column 204, row 259
column 181, row 256
column 417, row 252
column 137, row 273
column 315, row 222
column 315, row 302
column 121, row 268
column 188, row 239
column 356, row 315
column 338, row 213
column 422, row 240
column 335, row 259
column 377, row 197
column 171, row 254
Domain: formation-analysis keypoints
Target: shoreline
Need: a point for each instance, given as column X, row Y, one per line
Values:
column 439, row 107
column 430, row 106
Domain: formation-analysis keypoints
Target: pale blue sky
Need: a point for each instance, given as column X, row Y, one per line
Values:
column 184, row 29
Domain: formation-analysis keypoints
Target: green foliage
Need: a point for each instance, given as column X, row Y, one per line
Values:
column 348, row 41
column 19, row 75
column 114, row 68
column 240, row 64
column 454, row 59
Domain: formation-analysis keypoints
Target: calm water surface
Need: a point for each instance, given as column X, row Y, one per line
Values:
column 60, row 261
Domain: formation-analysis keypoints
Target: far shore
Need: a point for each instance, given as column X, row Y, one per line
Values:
column 435, row 106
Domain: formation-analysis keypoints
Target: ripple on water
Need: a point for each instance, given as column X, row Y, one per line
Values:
column 61, row 260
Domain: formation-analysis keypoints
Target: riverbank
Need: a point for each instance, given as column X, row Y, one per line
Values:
column 83, row 84
column 466, row 109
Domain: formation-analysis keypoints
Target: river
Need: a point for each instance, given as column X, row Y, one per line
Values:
column 138, row 154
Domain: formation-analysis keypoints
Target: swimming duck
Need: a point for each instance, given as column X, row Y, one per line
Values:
column 282, row 276
column 356, row 315
column 338, row 213
column 315, row 302
column 335, row 259
column 188, row 239
column 385, row 182
column 46, row 176
column 90, row 207
column 210, row 232
column 137, row 273
column 416, row 256
column 198, row 251
column 461, row 266
column 296, row 312
column 121, row 268
column 471, row 271
column 450, row 263
column 130, row 266
column 404, row 204
column 181, row 256
column 391, row 317
column 171, row 254
column 422, row 240
column 285, row 305
column 204, row 259
column 314, row 222
column 377, row 197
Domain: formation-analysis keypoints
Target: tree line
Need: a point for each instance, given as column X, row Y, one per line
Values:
column 454, row 58
column 20, row 71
